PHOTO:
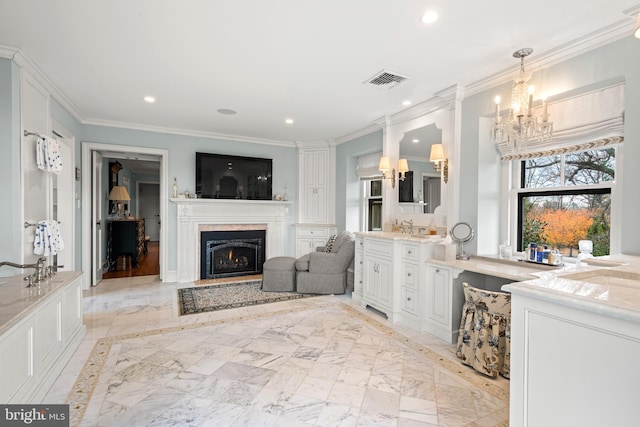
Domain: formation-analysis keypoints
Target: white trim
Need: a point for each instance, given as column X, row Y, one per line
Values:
column 67, row 135
column 87, row 149
column 188, row 132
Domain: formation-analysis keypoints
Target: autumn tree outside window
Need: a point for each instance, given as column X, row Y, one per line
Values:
column 565, row 198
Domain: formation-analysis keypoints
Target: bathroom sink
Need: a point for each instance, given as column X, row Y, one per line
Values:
column 607, row 277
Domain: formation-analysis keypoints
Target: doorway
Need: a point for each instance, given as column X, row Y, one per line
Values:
column 90, row 261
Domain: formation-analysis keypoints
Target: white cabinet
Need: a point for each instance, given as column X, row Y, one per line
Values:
column 35, row 349
column 358, row 269
column 378, row 289
column 316, row 169
column 574, row 360
column 309, row 236
column 390, row 276
column 439, row 304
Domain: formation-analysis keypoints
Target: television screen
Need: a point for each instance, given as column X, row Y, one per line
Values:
column 220, row 176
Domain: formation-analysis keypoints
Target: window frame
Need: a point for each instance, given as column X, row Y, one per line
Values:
column 513, row 182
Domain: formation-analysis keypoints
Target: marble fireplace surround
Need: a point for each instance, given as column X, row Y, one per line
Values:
column 197, row 215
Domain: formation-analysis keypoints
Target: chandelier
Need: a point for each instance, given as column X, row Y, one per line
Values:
column 521, row 125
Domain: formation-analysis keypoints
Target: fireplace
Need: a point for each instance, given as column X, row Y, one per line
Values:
column 231, row 253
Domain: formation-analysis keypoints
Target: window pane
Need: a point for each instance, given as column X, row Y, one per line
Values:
column 375, row 215
column 590, row 167
column 543, row 172
column 561, row 220
column 376, row 188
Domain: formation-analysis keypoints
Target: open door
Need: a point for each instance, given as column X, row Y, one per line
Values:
column 97, row 218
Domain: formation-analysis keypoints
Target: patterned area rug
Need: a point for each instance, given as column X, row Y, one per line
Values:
column 229, row 295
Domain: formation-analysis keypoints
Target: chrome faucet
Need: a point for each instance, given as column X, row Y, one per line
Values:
column 37, row 277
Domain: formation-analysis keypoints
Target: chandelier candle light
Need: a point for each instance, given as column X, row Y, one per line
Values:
column 521, row 126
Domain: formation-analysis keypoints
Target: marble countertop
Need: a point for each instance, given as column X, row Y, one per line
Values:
column 603, row 288
column 18, row 301
column 493, row 266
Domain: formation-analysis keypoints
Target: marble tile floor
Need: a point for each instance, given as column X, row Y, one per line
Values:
column 316, row 361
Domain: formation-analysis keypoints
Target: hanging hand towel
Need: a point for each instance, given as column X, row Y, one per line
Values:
column 48, row 240
column 48, row 155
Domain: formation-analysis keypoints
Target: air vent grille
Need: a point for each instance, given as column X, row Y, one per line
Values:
column 386, row 79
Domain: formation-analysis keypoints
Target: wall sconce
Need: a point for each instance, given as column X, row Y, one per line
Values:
column 440, row 162
column 385, row 166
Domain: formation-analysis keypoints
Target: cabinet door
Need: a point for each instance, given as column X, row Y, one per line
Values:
column 371, row 287
column 385, row 279
column 315, row 183
column 16, row 362
column 439, row 295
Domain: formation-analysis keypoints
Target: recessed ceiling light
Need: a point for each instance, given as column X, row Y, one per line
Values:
column 429, row 17
column 415, row 141
column 150, row 99
column 406, row 103
column 227, row 111
column 289, row 121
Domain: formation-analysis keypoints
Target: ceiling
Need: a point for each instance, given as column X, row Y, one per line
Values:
column 279, row 59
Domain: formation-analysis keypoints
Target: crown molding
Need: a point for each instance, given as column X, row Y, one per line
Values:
column 188, row 132
column 328, row 143
column 601, row 37
column 32, row 68
column 359, row 133
column 8, row 52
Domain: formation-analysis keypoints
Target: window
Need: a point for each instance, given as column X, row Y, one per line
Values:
column 565, row 198
column 373, row 200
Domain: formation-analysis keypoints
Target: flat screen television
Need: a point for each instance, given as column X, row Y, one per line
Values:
column 221, row 176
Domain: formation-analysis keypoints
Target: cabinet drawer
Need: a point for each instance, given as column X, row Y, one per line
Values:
column 313, row 232
column 409, row 274
column 379, row 247
column 408, row 300
column 410, row 252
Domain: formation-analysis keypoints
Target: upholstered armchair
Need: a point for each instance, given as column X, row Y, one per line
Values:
column 325, row 270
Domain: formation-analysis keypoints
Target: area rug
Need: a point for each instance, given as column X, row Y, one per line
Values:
column 202, row 299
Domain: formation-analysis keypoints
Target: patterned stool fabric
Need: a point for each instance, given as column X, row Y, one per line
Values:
column 484, row 341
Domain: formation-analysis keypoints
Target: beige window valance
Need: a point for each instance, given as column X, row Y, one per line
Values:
column 585, row 121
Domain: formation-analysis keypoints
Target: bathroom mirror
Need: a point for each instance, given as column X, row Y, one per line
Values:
column 460, row 234
column 416, row 148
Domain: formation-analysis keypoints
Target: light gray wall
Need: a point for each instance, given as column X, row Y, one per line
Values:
column 479, row 186
column 347, row 181
column 182, row 161
column 10, row 228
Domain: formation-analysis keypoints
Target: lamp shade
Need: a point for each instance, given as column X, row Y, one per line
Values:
column 385, row 164
column 119, row 192
column 437, row 153
column 403, row 166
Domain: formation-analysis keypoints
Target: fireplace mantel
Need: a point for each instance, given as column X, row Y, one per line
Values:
column 194, row 213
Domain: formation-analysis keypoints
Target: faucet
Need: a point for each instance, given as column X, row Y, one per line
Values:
column 409, row 223
column 37, row 277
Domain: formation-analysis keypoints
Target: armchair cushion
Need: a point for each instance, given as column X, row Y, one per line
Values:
column 329, row 246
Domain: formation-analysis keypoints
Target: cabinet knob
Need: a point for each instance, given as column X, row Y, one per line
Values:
column 408, row 274
column 409, row 252
column 360, row 262
column 408, row 298
column 437, row 270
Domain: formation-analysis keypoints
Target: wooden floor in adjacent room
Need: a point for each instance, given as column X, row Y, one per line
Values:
column 149, row 264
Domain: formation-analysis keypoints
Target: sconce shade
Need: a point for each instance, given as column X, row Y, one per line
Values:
column 437, row 153
column 385, row 164
column 119, row 192
column 636, row 29
column 403, row 166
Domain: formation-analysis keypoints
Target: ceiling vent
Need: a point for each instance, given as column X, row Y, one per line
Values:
column 386, row 79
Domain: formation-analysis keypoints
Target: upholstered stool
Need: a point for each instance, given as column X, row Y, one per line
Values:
column 484, row 339
column 279, row 274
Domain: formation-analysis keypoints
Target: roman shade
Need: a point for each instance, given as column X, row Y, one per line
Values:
column 588, row 120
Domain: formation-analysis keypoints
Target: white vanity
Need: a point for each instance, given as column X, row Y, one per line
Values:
column 40, row 329
column 575, row 346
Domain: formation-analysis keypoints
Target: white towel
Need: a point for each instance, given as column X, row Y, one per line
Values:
column 48, row 240
column 48, row 155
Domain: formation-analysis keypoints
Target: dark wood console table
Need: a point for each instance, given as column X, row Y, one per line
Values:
column 126, row 237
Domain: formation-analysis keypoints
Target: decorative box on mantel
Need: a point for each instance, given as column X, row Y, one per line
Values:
column 196, row 215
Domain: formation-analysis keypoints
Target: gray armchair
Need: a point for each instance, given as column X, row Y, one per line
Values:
column 325, row 272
